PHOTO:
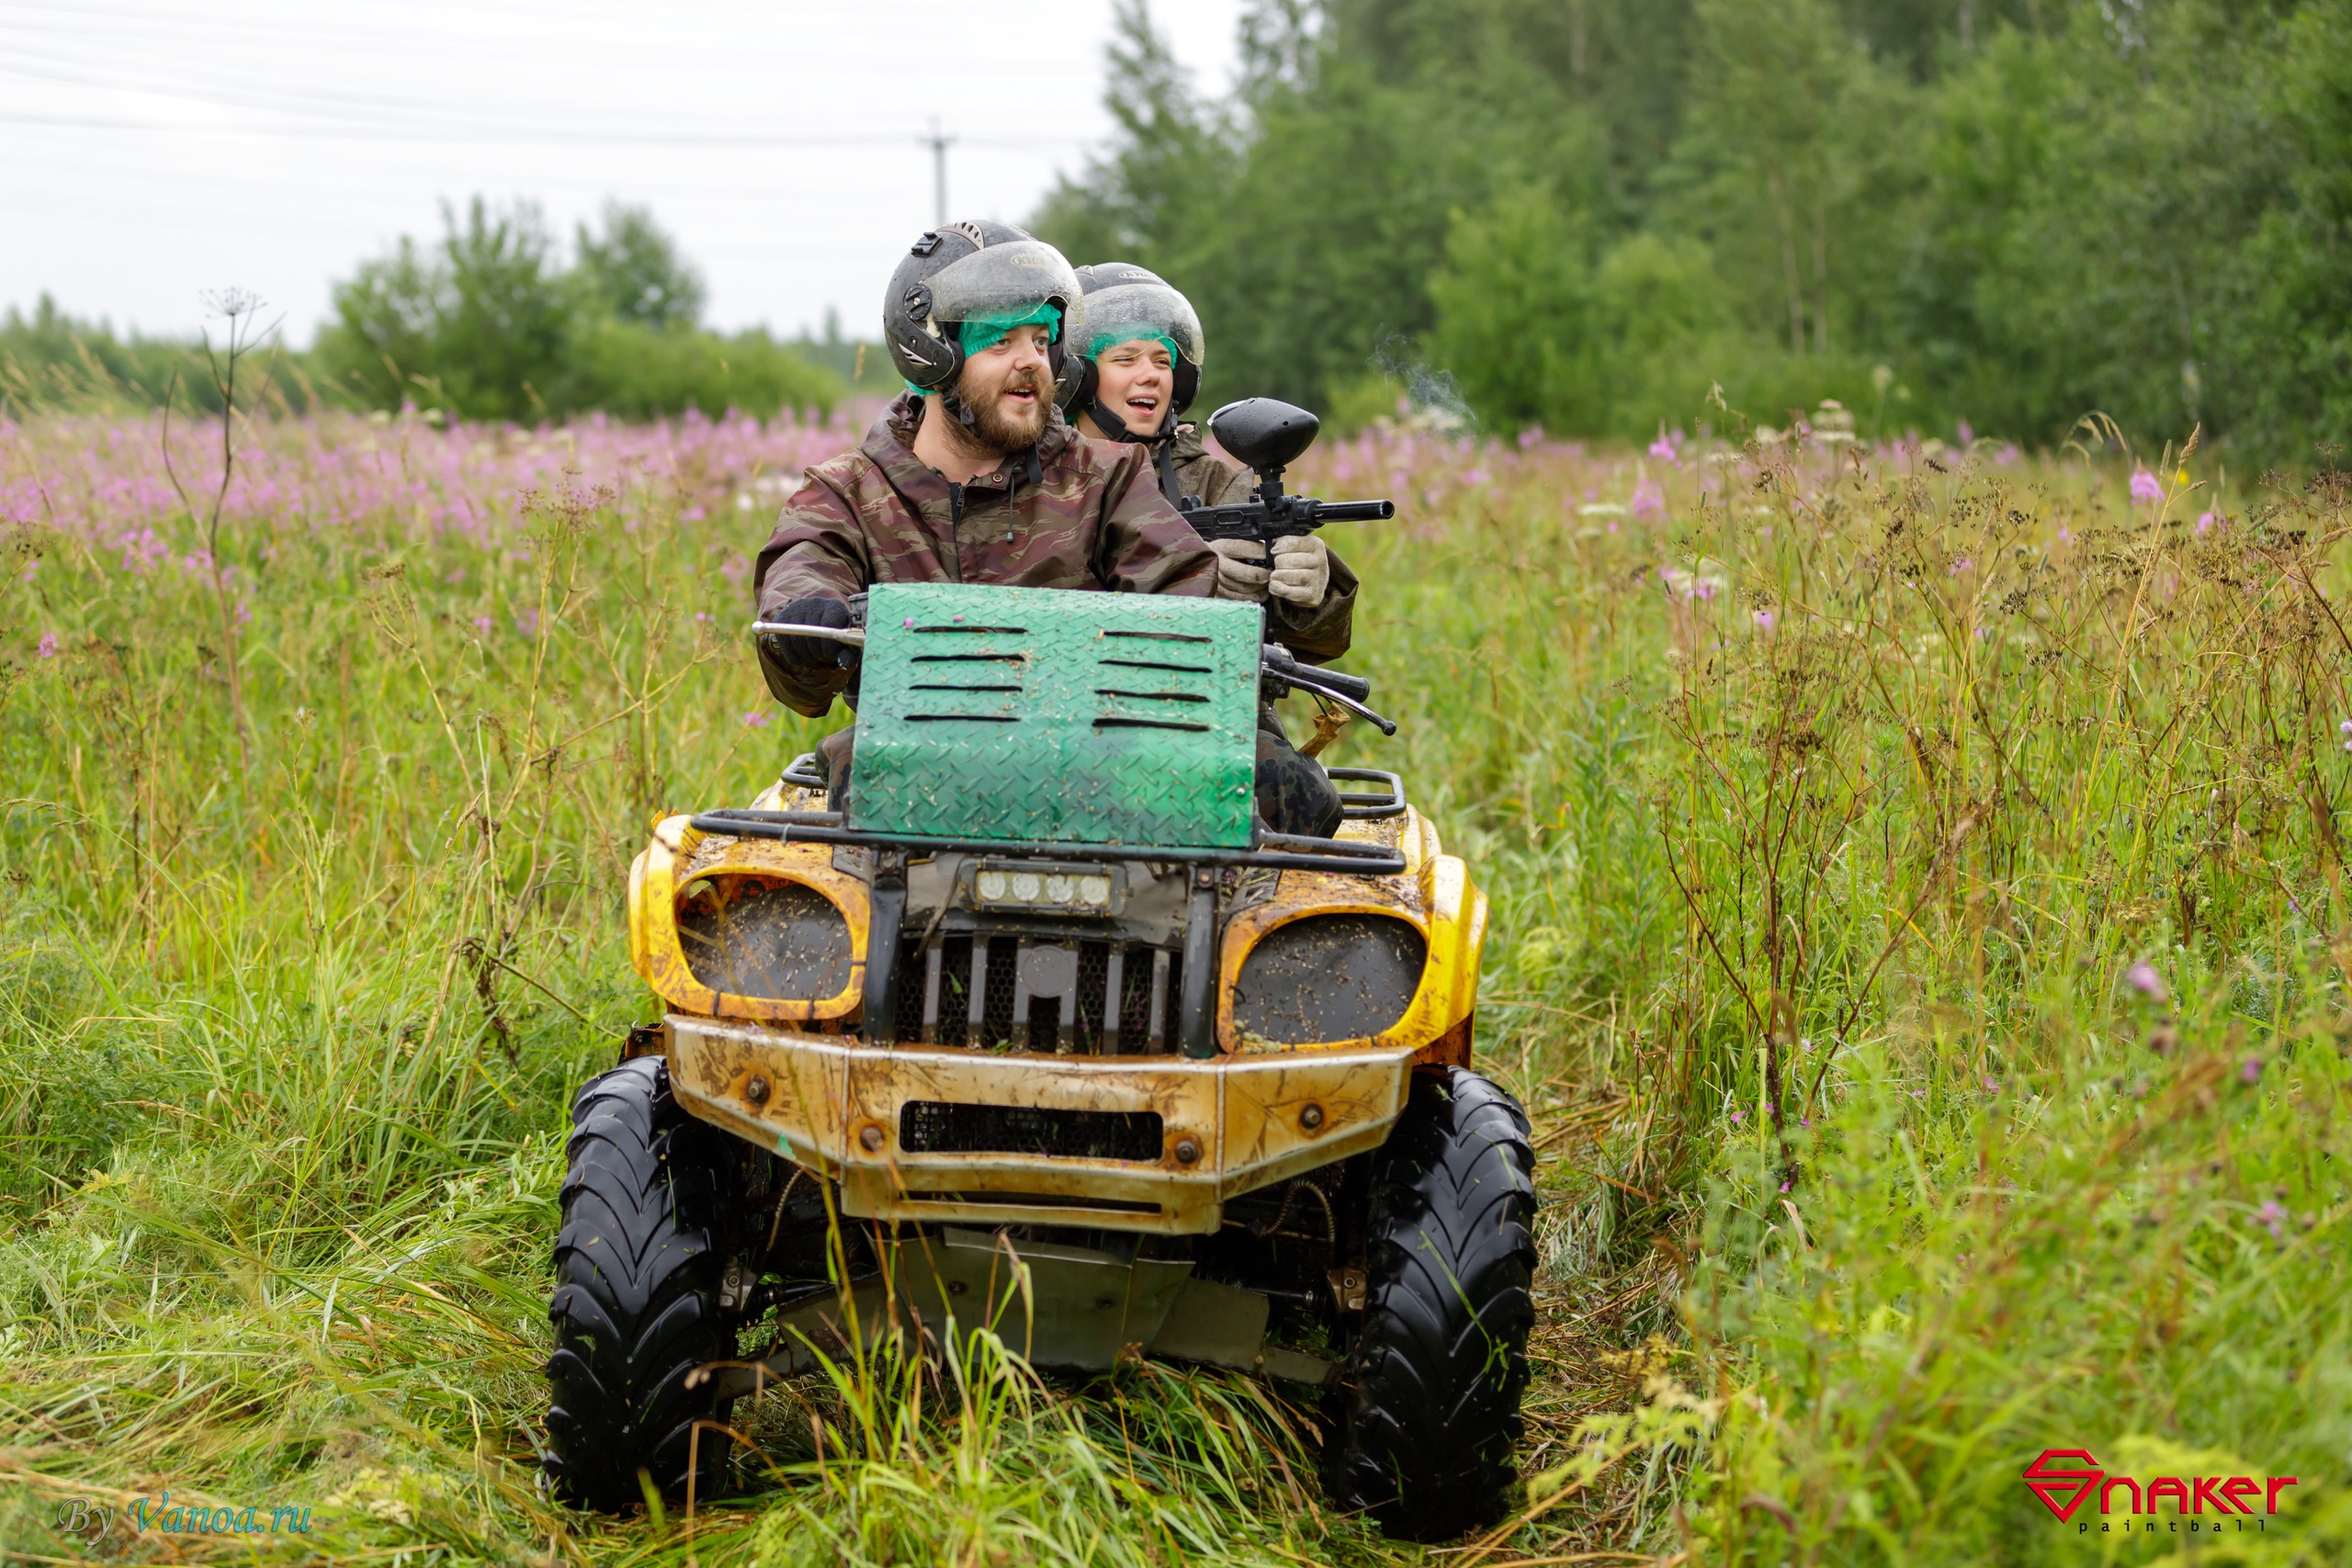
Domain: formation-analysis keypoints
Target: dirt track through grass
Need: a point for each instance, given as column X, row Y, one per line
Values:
column 1919, row 920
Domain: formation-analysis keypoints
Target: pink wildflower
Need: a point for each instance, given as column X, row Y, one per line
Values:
column 1662, row 448
column 50, row 644
column 1649, row 500
column 482, row 625
column 2273, row 1214
column 2205, row 521
column 2143, row 979
column 757, row 718
column 2252, row 1071
column 1763, row 620
column 2145, row 486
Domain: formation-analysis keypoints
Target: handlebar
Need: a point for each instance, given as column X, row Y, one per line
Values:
column 1280, row 661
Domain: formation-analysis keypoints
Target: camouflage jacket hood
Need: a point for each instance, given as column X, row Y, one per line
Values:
column 1068, row 513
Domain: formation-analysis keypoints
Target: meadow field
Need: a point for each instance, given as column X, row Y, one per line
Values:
column 1919, row 936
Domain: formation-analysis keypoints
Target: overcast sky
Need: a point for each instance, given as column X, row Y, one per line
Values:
column 153, row 150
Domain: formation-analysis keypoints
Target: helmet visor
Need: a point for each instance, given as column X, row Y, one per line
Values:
column 1005, row 283
column 1125, row 312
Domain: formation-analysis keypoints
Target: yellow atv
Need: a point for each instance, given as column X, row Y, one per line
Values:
column 1044, row 995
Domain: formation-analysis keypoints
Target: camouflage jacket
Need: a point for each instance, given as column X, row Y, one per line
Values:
column 1207, row 479
column 1319, row 633
column 1067, row 514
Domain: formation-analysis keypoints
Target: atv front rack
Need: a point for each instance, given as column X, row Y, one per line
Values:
column 1281, row 852
column 801, row 774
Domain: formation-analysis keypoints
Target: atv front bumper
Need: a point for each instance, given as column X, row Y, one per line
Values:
column 1155, row 1143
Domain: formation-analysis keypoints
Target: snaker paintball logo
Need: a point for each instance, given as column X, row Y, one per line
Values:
column 2065, row 1479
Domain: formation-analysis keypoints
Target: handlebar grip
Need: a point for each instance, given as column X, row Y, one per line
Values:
column 1354, row 686
column 1279, row 659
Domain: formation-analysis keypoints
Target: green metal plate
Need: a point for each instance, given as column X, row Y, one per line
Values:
column 1044, row 714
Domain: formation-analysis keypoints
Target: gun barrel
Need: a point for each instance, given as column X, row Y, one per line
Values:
column 1354, row 511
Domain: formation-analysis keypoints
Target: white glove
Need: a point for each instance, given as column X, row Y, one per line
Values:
column 1302, row 570
column 1237, row 577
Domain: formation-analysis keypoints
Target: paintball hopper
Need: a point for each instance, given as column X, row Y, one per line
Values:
column 1265, row 433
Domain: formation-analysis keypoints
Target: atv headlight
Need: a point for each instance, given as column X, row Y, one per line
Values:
column 755, row 936
column 1328, row 977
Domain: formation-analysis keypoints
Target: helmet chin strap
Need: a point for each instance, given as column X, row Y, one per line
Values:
column 953, row 402
column 1116, row 428
column 1164, row 445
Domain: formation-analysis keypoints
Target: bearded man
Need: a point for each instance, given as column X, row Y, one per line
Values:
column 971, row 476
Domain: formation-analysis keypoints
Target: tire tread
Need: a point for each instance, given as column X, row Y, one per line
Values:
column 1426, row 1433
column 636, row 1303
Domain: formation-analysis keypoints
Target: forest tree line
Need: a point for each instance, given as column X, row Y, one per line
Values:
column 1589, row 214
column 1594, row 216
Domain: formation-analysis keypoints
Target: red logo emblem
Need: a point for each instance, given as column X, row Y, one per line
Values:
column 2064, row 1473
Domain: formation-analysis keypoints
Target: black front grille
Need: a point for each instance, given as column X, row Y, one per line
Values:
column 1090, row 997
column 942, row 1127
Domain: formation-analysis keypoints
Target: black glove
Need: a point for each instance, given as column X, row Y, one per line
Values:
column 809, row 653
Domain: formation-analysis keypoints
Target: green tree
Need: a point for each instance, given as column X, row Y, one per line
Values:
column 487, row 323
column 2147, row 215
column 1796, row 161
column 634, row 269
column 1516, row 315
column 470, row 324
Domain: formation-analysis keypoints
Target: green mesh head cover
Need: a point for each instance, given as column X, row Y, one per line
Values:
column 985, row 332
column 1139, row 332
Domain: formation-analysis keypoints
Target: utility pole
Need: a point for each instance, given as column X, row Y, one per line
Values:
column 938, row 145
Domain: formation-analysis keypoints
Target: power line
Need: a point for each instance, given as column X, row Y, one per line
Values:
column 531, row 134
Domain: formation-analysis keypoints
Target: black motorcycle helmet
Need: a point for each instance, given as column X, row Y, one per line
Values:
column 969, row 271
column 1124, row 301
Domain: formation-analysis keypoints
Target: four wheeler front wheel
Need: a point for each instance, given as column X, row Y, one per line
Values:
column 1426, row 1427
column 636, row 1305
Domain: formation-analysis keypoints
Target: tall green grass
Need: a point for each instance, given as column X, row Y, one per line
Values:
column 1916, row 933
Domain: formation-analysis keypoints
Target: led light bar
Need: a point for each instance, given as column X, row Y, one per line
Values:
column 1028, row 887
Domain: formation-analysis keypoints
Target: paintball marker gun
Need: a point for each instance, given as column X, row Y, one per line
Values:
column 1269, row 435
